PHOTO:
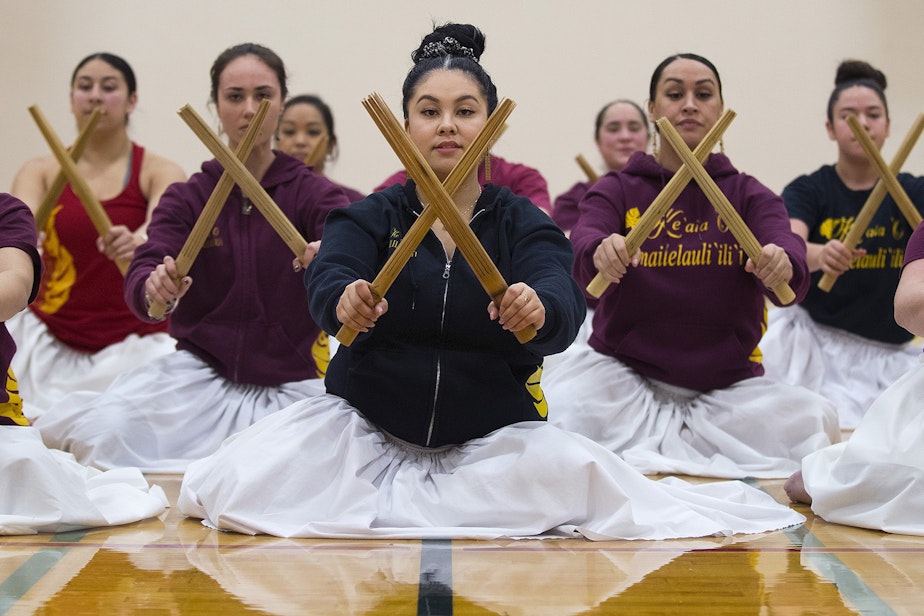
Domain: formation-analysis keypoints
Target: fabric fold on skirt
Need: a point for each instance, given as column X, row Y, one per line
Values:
column 48, row 370
column 754, row 428
column 162, row 416
column 46, row 491
column 849, row 370
column 875, row 479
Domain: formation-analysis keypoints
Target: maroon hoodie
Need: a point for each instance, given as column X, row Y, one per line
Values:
column 689, row 314
column 246, row 313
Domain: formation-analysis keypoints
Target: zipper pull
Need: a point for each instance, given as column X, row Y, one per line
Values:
column 446, row 271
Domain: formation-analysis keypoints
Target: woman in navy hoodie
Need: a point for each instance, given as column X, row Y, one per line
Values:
column 433, row 424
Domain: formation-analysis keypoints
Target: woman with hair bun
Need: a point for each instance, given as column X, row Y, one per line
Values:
column 79, row 334
column 522, row 180
column 433, row 424
column 845, row 343
column 305, row 119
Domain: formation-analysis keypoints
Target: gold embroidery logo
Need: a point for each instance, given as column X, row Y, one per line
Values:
column 214, row 239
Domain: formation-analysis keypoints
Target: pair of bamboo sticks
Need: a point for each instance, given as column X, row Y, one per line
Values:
column 692, row 168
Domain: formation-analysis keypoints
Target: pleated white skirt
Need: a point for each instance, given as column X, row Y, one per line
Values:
column 755, row 428
column 849, row 370
column 46, row 491
column 319, row 469
column 48, row 370
column 552, row 362
column 875, row 479
column 163, row 415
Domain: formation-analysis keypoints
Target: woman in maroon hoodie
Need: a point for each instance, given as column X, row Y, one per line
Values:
column 673, row 378
column 246, row 344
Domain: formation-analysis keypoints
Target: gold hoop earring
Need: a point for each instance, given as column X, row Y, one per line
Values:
column 655, row 145
column 487, row 168
column 721, row 145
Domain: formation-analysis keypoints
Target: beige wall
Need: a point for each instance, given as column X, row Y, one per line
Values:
column 558, row 60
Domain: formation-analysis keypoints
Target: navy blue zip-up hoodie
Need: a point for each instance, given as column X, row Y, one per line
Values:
column 435, row 370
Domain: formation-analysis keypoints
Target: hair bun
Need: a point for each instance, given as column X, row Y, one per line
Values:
column 856, row 70
column 460, row 40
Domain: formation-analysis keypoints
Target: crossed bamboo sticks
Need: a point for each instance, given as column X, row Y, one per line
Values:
column 94, row 208
column 658, row 208
column 887, row 183
column 441, row 205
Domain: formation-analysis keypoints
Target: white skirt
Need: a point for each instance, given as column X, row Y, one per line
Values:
column 46, row 491
column 754, row 428
column 552, row 362
column 163, row 415
column 849, row 370
column 319, row 469
column 876, row 478
column 48, row 370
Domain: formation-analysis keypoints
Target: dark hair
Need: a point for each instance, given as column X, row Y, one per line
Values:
column 656, row 76
column 264, row 54
column 852, row 73
column 598, row 123
column 115, row 62
column 450, row 47
column 316, row 102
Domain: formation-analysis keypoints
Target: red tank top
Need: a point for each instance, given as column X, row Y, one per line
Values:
column 80, row 299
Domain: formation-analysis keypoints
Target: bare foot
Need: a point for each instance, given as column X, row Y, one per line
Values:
column 795, row 489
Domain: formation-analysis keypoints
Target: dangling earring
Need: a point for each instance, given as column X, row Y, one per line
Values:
column 721, row 145
column 487, row 168
column 655, row 145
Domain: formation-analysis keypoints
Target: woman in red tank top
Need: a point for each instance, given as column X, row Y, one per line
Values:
column 79, row 334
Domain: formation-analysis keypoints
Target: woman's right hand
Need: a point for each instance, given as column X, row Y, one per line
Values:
column 612, row 258
column 836, row 258
column 164, row 284
column 357, row 308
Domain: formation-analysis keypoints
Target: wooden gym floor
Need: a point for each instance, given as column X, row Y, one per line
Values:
column 172, row 565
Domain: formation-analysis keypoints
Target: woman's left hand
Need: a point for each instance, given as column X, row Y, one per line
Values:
column 119, row 243
column 311, row 251
column 773, row 267
column 520, row 308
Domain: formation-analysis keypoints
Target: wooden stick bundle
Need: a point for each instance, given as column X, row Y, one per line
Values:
column 895, row 189
column 200, row 231
column 319, row 152
column 589, row 171
column 718, row 199
column 658, row 208
column 242, row 176
column 406, row 247
column 91, row 204
column 419, row 170
column 865, row 216
column 57, row 184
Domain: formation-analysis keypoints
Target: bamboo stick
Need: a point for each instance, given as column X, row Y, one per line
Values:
column 469, row 161
column 318, row 153
column 251, row 187
column 895, row 189
column 718, row 199
column 200, row 231
column 418, row 169
column 658, row 208
column 91, row 204
column 589, row 171
column 865, row 216
column 57, row 184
